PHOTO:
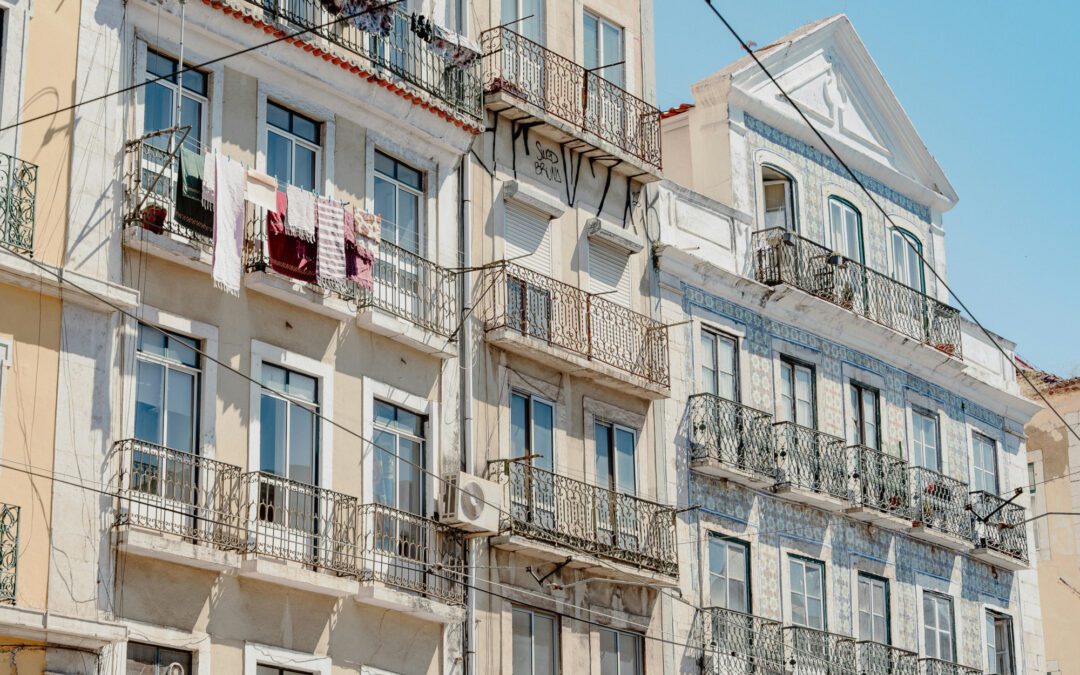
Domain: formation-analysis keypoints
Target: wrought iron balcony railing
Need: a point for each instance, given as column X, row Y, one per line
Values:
column 18, row 202
column 783, row 257
column 403, row 54
column 735, row 642
column 940, row 502
column 582, row 98
column 9, row 552
column 567, row 317
column 811, row 460
column 1004, row 529
column 875, row 658
column 929, row 666
column 731, row 433
column 179, row 493
column 562, row 511
column 881, row 481
column 808, row 651
column 413, row 289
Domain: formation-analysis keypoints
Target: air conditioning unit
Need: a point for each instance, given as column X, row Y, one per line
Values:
column 471, row 503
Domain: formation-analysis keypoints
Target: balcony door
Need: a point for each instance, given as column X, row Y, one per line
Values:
column 605, row 81
column 999, row 645
column 938, row 627
column 729, row 589
column 797, row 394
column 619, row 522
column 837, row 281
column 523, row 55
column 529, row 296
column 534, row 495
column 911, row 314
column 864, row 422
column 399, row 275
column 874, row 609
column 984, row 463
column 401, row 543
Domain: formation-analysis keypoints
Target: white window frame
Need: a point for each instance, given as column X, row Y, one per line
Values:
column 805, row 561
column 215, row 87
column 873, row 580
column 256, row 654
column 794, row 363
column 602, row 411
column 716, row 335
column 421, row 221
column 556, row 625
column 974, row 436
column 431, row 248
column 920, row 411
column 601, row 21
column 939, row 597
column 991, row 665
column 727, row 542
column 197, row 643
column 324, row 160
column 830, row 229
column 855, row 417
column 168, row 365
column 175, row 87
column 909, row 237
column 533, row 398
column 541, row 39
column 611, row 479
column 640, row 641
column 791, row 208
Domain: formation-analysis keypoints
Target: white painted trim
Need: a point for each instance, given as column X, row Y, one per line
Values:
column 197, row 643
column 255, row 653
column 426, row 165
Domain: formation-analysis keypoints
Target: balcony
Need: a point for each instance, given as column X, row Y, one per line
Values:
column 783, row 257
column 741, row 643
column 574, row 103
column 18, row 200
column 550, row 514
column 573, row 330
column 875, row 658
column 939, row 509
column 928, row 666
column 880, row 492
column 812, row 466
column 1002, row 539
column 9, row 552
column 732, row 441
column 815, row 652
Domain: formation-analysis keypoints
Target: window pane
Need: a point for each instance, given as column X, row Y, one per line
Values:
column 543, row 441
column 305, row 128
column 408, row 225
column 592, row 44
column 149, row 394
column 628, row 654
column 409, row 176
column 410, row 475
column 303, row 387
column 609, row 654
column 384, row 165
column 277, row 116
column 196, row 82
column 279, row 157
column 157, row 107
column 602, row 439
column 386, row 207
column 625, row 477
column 304, row 171
column 301, row 444
column 522, row 643
column 180, row 413
column 518, row 419
column 613, row 53
column 708, row 363
column 385, row 469
column 191, row 112
column 159, row 65
column 182, row 350
column 272, row 424
column 543, row 645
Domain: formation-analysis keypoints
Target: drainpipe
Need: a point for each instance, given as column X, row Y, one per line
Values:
column 465, row 389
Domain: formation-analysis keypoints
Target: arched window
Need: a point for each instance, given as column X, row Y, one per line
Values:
column 844, row 233
column 907, row 265
column 779, row 189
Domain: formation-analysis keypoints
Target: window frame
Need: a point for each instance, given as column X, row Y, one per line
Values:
column 294, row 140
column 794, row 364
column 601, row 23
column 398, row 434
column 713, row 354
column 831, row 228
column 168, row 365
column 913, row 241
column 857, row 389
column 806, row 561
column 639, row 642
column 792, row 210
column 531, row 399
column 312, row 406
column 884, row 581
column 976, row 470
column 203, row 99
column 938, row 597
column 556, row 647
column 256, row 654
column 714, row 538
column 516, row 22
column 613, row 454
column 400, row 186
column 157, row 666
column 926, row 413
column 991, row 622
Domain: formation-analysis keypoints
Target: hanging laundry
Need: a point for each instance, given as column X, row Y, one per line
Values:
column 228, row 224
column 371, row 16
column 300, row 220
column 333, row 7
column 289, row 256
column 330, row 221
column 261, row 190
column 190, row 210
column 364, row 266
column 368, row 232
column 209, row 179
column 456, row 49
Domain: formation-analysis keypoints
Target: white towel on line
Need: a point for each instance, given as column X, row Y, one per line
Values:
column 209, row 186
column 300, row 218
column 331, row 221
column 231, row 180
column 262, row 190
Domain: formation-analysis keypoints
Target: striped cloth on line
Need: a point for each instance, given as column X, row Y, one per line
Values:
column 330, row 221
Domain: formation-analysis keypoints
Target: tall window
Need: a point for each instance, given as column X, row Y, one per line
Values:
column 536, row 643
column 865, row 423
column 719, row 365
column 729, row 573
column 289, row 430
column 907, row 259
column 292, row 147
column 604, row 47
column 526, row 17
column 779, row 191
column 621, row 653
column 532, row 430
column 938, row 626
column 845, row 229
column 159, row 104
column 398, row 194
column 999, row 645
column 984, row 463
column 166, row 389
column 807, row 592
column 144, row 659
column 926, row 443
column 797, row 393
column 874, row 609
column 615, row 468
column 399, row 458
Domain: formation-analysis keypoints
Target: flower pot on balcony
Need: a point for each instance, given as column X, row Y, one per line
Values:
column 949, row 349
column 153, row 218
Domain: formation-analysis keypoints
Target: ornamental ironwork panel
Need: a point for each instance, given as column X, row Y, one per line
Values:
column 567, row 317
column 783, row 257
column 562, row 511
column 9, row 552
column 929, row 666
column 731, row 433
column 180, row 493
column 875, row 658
column 811, row 460
column 739, row 643
column 412, row 552
column 412, row 288
column 808, row 651
column 880, row 481
column 515, row 65
column 18, row 201
column 1003, row 529
column 940, row 502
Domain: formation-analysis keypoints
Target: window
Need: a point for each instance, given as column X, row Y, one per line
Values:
column 938, row 626
column 532, row 430
column 289, row 430
column 807, row 592
column 399, row 458
column 874, row 609
column 274, row 670
column 779, row 191
column 615, row 467
column 536, row 643
column 398, row 194
column 865, row 420
column 292, row 147
column 729, row 573
column 1031, row 478
column 159, row 103
column 797, row 393
column 144, row 659
column 609, row 272
column 166, row 389
column 999, row 645
column 719, row 365
column 526, row 17
column 845, row 229
column 604, row 49
column 925, row 442
column 984, row 463
column 621, row 653
column 907, row 259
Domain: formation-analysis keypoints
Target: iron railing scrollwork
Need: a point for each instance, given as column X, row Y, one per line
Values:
column 808, row 651
column 731, row 433
column 739, row 643
column 595, row 520
column 783, row 257
column 876, row 658
column 880, row 481
column 567, row 317
column 931, row 666
column 940, row 502
column 999, row 525
column 9, row 552
column 18, row 202
column 811, row 460
column 414, row 289
column 517, row 66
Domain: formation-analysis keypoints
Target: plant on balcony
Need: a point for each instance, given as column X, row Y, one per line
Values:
column 152, row 218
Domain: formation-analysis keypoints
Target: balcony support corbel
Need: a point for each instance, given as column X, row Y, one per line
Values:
column 540, row 580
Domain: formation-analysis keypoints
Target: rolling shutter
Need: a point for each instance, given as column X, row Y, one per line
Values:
column 527, row 232
column 609, row 270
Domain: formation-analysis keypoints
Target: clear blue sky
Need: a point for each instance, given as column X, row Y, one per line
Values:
column 992, row 88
